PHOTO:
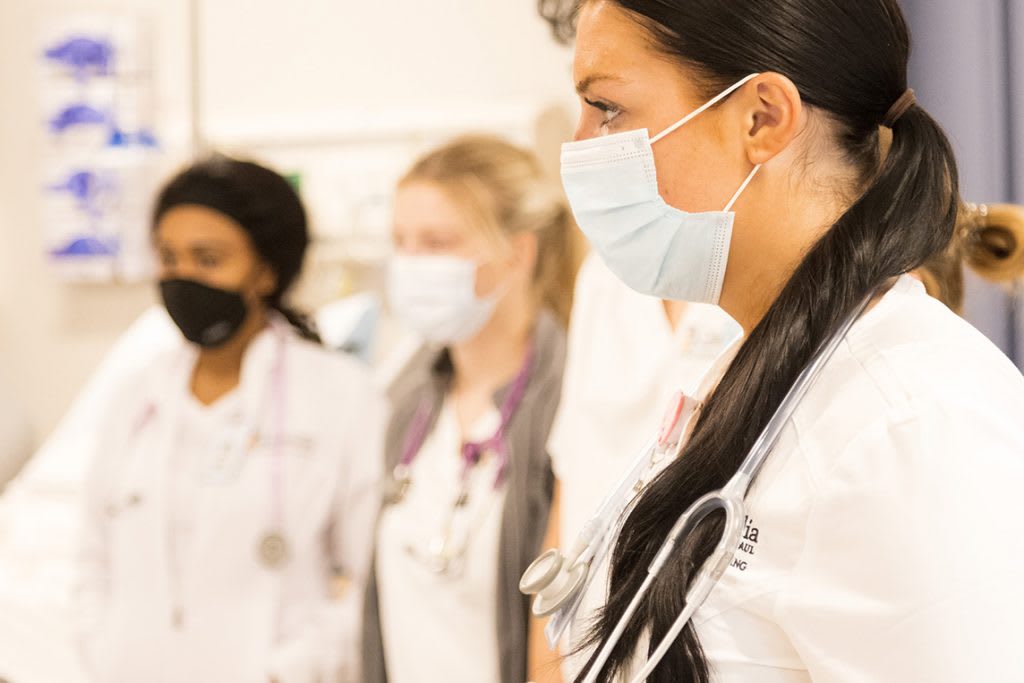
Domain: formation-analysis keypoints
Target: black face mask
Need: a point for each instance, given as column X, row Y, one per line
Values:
column 207, row 316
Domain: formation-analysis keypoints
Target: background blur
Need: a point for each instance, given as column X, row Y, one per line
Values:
column 344, row 94
column 341, row 93
column 968, row 70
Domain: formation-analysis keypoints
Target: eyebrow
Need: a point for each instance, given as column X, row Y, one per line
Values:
column 196, row 247
column 210, row 246
column 583, row 85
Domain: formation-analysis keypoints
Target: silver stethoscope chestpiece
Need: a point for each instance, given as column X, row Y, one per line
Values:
column 553, row 584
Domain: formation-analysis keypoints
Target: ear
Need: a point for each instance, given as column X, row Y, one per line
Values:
column 773, row 111
column 266, row 280
column 523, row 252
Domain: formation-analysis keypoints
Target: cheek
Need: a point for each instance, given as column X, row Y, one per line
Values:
column 694, row 173
column 235, row 274
column 490, row 277
column 166, row 271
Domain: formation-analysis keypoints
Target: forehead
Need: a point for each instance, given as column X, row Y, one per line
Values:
column 610, row 44
column 427, row 205
column 191, row 223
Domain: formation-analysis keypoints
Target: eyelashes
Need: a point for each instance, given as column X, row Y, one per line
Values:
column 610, row 111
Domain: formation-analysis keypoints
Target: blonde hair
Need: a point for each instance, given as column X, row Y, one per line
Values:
column 990, row 240
column 505, row 192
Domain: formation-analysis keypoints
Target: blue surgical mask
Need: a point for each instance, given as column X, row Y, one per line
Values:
column 656, row 249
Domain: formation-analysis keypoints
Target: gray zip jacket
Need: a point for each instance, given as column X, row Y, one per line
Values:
column 528, row 499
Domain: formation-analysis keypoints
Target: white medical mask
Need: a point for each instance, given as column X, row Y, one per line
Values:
column 436, row 297
column 656, row 249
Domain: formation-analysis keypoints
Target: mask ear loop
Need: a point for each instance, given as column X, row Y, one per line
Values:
column 735, row 197
column 691, row 116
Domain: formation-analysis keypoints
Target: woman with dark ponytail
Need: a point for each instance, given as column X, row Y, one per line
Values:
column 236, row 482
column 878, row 542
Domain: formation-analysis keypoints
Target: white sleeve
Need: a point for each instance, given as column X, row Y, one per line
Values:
column 327, row 647
column 567, row 418
column 913, row 569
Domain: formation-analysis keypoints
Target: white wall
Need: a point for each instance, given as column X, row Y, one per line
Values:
column 51, row 335
column 330, row 60
column 268, row 70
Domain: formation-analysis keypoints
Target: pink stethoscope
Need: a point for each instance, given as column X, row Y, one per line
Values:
column 444, row 555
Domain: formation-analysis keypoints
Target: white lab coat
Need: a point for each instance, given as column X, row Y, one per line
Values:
column 881, row 536
column 242, row 622
column 15, row 437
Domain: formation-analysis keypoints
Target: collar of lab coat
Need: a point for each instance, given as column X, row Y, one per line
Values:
column 257, row 363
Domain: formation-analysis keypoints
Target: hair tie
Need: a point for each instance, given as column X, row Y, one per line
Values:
column 907, row 100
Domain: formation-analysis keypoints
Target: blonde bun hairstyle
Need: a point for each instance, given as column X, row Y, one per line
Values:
column 989, row 240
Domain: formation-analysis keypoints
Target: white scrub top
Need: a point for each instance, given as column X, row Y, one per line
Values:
column 624, row 363
column 172, row 527
column 441, row 629
column 881, row 538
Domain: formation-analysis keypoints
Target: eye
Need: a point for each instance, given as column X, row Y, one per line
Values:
column 439, row 244
column 208, row 259
column 609, row 111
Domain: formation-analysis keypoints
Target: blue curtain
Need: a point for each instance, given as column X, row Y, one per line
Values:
column 968, row 70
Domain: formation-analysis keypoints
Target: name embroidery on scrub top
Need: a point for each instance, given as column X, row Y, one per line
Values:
column 676, row 427
column 748, row 545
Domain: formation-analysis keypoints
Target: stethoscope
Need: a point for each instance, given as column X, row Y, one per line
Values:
column 272, row 549
column 559, row 581
column 444, row 553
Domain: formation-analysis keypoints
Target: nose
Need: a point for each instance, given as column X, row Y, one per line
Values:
column 178, row 271
column 587, row 126
column 579, row 133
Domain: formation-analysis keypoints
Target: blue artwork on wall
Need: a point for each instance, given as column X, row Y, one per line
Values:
column 84, row 56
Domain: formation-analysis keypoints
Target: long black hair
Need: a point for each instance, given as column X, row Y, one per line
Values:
column 263, row 203
column 849, row 62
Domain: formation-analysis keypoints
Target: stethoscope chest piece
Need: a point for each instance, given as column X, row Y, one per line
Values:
column 273, row 551
column 397, row 485
column 552, row 582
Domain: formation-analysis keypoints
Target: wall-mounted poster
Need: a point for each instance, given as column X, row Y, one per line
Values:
column 101, row 149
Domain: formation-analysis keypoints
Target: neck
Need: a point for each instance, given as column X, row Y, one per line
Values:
column 761, row 294
column 492, row 358
column 759, row 269
column 674, row 312
column 219, row 370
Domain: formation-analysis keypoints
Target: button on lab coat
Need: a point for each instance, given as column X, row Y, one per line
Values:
column 211, row 610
